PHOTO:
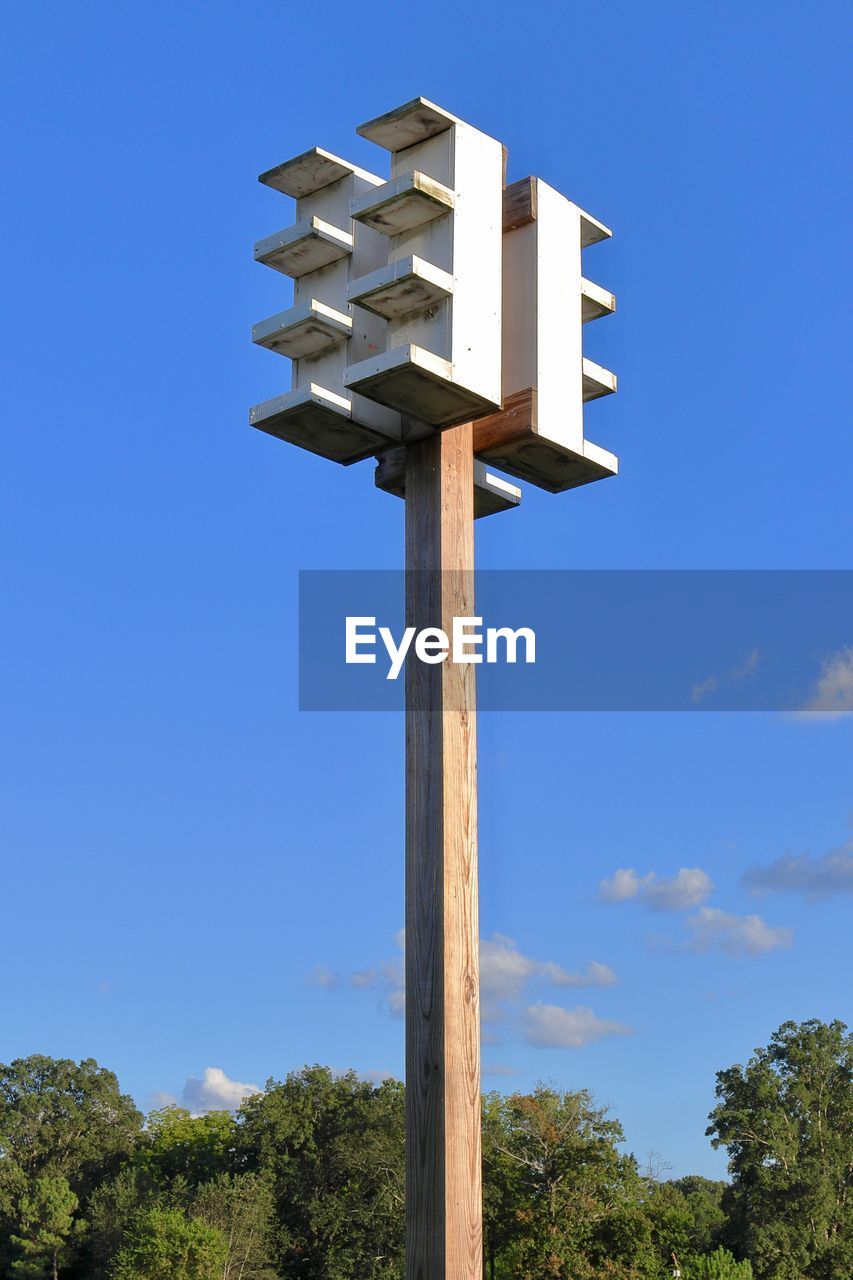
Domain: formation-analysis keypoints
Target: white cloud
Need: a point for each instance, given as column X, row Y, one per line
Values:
column 376, row 1077
column 832, row 696
column 594, row 975
column 815, row 877
column 397, row 1001
column 623, row 885
column 215, row 1092
column 687, row 888
column 550, row 1027
column 324, row 977
column 504, row 972
column 747, row 667
column 364, row 980
column 500, row 1069
column 714, row 930
column 503, row 968
column 159, row 1098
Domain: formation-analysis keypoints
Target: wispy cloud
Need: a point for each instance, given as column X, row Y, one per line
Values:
column 687, row 888
column 747, row 667
column 714, row 930
column 548, row 1026
column 500, row 1069
column 321, row 976
column 822, row 877
column 832, row 696
column 505, row 974
column 365, row 980
column 215, row 1091
column 505, row 970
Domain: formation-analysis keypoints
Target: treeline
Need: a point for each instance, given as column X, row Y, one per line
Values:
column 306, row 1182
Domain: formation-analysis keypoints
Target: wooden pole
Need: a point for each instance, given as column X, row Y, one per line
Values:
column 444, row 1220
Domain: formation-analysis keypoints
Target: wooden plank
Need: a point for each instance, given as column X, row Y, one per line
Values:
column 519, row 206
column 443, row 1158
column 515, row 421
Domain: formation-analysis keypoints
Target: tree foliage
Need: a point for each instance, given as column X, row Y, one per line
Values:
column 61, row 1123
column 64, row 1118
column 719, row 1265
column 333, row 1148
column 163, row 1244
column 785, row 1119
column 45, row 1225
column 567, row 1202
column 242, row 1208
column 306, row 1182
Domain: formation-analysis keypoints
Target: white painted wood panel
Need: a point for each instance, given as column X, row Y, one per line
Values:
column 462, row 329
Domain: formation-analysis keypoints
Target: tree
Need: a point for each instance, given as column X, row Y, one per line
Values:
column 195, row 1149
column 787, row 1122
column 334, row 1149
column 163, row 1244
column 502, row 1178
column 574, row 1198
column 59, row 1120
column 113, row 1206
column 242, row 1208
column 719, row 1265
column 686, row 1216
column 64, row 1119
column 45, row 1223
column 704, row 1198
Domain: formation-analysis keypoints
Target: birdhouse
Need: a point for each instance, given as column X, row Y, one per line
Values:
column 539, row 435
column 436, row 294
column 322, row 253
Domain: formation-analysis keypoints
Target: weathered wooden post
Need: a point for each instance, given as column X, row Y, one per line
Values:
column 396, row 336
column 443, row 1165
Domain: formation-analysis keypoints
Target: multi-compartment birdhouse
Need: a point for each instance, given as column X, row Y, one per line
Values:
column 435, row 297
column 539, row 433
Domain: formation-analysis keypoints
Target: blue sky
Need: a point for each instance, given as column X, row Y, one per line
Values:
column 194, row 874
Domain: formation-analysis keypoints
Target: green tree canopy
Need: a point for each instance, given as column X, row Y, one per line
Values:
column 177, row 1144
column 45, row 1223
column 787, row 1122
column 242, row 1208
column 334, row 1149
column 65, row 1119
column 719, row 1265
column 163, row 1244
column 686, row 1216
column 572, row 1197
column 61, row 1123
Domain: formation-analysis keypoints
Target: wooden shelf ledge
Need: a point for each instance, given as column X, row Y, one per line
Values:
column 310, row 172
column 595, row 302
column 405, row 126
column 403, row 203
column 401, row 288
column 306, row 246
column 304, row 330
column 320, row 421
column 419, row 384
column 597, row 381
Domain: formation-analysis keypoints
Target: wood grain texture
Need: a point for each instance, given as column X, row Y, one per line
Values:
column 515, row 421
column 443, row 1157
column 519, row 204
